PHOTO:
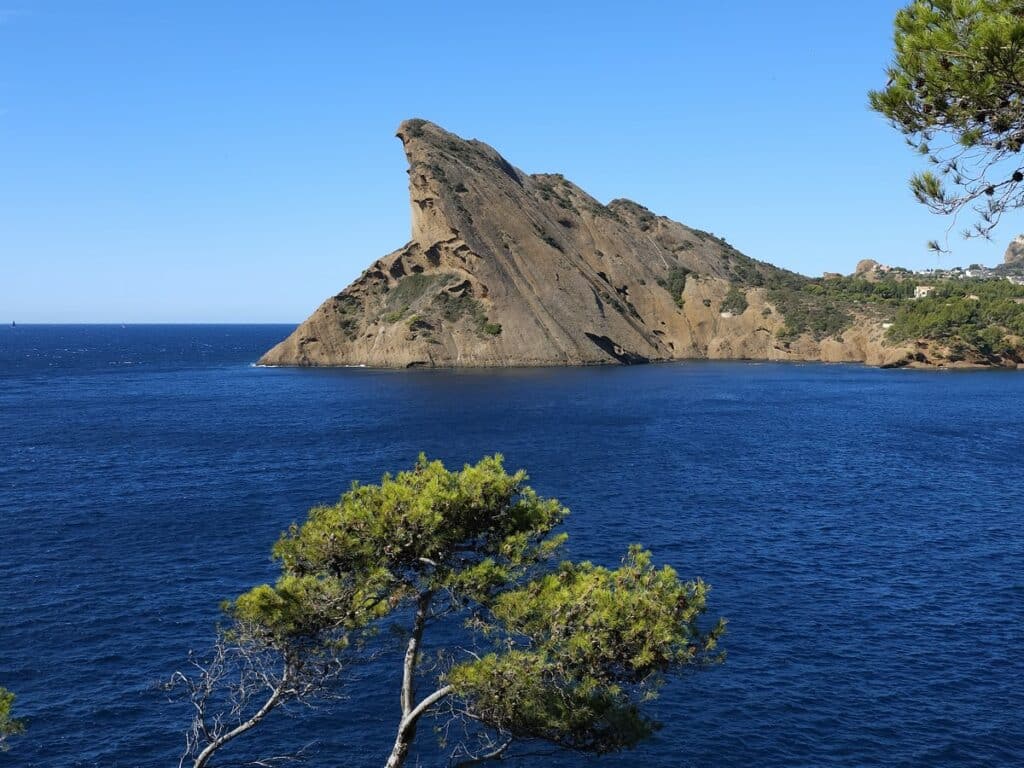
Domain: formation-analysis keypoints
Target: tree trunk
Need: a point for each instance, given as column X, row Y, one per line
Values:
column 407, row 728
column 400, row 751
column 411, row 713
column 275, row 698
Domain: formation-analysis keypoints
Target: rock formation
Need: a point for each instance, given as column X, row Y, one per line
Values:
column 866, row 267
column 1015, row 251
column 506, row 268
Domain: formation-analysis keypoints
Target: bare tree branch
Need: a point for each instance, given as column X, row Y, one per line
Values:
column 239, row 684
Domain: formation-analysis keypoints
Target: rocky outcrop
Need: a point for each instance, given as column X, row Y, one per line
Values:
column 506, row 268
column 866, row 267
column 1015, row 251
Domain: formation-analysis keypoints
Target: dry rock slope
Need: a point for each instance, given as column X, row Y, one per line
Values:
column 506, row 268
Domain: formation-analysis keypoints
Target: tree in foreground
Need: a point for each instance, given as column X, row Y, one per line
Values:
column 291, row 653
column 8, row 725
column 956, row 92
column 565, row 654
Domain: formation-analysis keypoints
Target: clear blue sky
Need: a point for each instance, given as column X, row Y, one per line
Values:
column 235, row 162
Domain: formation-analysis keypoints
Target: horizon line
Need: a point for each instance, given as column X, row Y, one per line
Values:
column 18, row 324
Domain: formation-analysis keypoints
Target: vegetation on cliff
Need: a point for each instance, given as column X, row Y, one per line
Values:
column 735, row 301
column 971, row 317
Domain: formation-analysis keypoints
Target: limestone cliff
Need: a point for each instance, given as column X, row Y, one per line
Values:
column 1015, row 251
column 506, row 268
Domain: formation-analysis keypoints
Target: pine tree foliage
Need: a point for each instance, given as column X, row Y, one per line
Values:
column 8, row 725
column 956, row 92
column 582, row 649
column 565, row 654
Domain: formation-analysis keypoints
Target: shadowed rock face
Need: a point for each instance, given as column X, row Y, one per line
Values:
column 506, row 268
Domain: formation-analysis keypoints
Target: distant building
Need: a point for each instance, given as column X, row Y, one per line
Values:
column 979, row 272
column 922, row 291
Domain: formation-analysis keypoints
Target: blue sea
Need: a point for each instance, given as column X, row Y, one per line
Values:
column 862, row 531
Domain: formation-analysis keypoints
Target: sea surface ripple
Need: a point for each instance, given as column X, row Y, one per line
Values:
column 862, row 530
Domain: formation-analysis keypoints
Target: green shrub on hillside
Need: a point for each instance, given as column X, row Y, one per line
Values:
column 824, row 307
column 675, row 282
column 984, row 316
column 735, row 301
column 806, row 312
column 454, row 308
column 412, row 287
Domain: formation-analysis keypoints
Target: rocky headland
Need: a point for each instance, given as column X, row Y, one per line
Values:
column 506, row 268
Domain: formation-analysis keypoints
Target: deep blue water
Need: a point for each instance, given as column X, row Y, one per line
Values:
column 862, row 531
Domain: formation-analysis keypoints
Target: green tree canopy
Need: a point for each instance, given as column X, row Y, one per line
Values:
column 566, row 654
column 581, row 649
column 955, row 92
column 465, row 533
column 8, row 725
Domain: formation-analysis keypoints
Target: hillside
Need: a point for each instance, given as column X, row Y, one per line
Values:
column 506, row 268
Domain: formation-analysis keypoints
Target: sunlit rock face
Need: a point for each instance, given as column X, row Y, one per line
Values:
column 1015, row 251
column 506, row 268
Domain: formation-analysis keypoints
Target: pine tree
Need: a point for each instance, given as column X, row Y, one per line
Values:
column 565, row 654
column 955, row 92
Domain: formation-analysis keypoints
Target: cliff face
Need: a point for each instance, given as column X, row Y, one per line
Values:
column 510, row 269
column 1015, row 251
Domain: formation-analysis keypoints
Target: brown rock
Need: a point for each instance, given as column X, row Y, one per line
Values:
column 506, row 268
column 1015, row 251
